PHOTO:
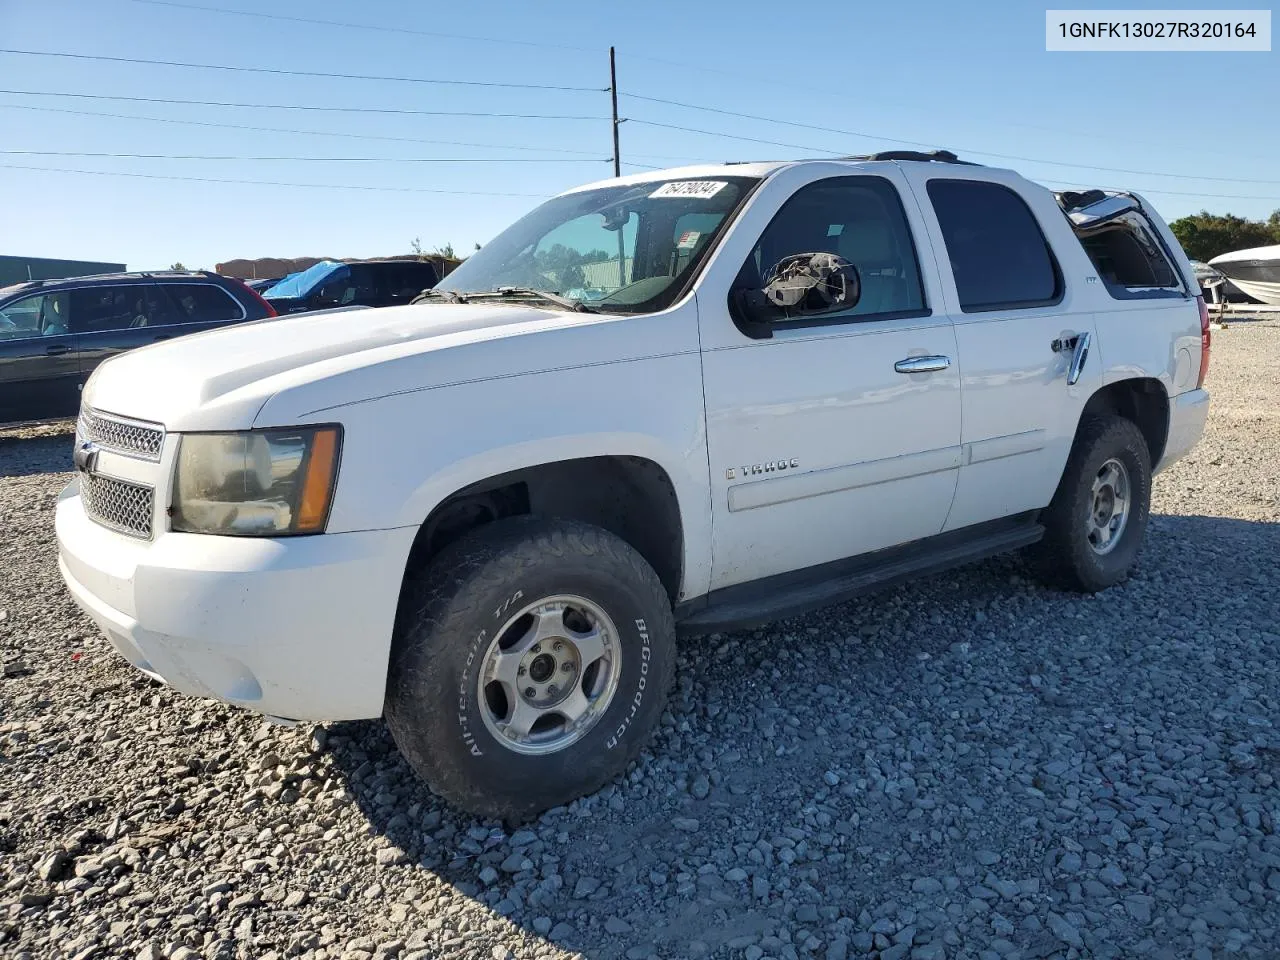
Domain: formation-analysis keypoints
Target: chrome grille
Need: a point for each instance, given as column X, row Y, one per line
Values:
column 118, row 504
column 133, row 438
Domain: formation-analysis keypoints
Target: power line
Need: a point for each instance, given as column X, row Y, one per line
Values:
column 365, row 26
column 1173, row 193
column 834, row 155
column 300, row 73
column 295, row 159
column 789, row 123
column 270, row 183
column 310, row 107
column 922, row 143
column 316, row 133
column 734, row 136
column 783, row 85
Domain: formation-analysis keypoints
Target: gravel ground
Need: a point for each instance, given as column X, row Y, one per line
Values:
column 971, row 766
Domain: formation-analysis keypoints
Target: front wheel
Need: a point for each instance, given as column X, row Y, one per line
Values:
column 531, row 663
column 1095, row 524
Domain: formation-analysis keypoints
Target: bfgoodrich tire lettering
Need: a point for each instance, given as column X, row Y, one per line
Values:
column 450, row 616
column 1066, row 557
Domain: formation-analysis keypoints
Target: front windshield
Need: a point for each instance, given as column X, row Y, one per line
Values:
column 625, row 249
column 301, row 284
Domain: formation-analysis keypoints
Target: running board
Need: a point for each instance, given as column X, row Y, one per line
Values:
column 790, row 594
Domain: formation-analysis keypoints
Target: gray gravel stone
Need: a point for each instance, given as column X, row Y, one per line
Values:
column 996, row 770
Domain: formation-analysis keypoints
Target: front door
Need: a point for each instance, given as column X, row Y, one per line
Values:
column 836, row 435
column 39, row 365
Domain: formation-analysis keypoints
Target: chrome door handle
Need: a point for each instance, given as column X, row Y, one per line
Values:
column 1078, row 359
column 922, row 364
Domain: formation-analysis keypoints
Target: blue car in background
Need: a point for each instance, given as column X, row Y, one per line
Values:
column 368, row 283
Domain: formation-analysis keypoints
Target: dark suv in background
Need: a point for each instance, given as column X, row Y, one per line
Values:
column 54, row 332
column 366, row 283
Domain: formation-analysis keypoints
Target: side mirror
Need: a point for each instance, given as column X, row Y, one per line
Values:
column 805, row 284
column 801, row 285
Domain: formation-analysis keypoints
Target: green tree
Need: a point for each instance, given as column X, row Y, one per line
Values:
column 1205, row 235
column 178, row 267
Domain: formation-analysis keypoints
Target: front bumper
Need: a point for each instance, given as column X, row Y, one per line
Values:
column 1187, row 414
column 295, row 627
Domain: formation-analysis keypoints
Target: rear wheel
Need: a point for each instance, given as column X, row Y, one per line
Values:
column 1095, row 524
column 531, row 664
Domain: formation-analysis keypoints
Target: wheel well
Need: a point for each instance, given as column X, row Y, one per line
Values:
column 631, row 497
column 1142, row 400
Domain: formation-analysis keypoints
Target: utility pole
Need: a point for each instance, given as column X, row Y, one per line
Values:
column 613, row 93
column 617, row 161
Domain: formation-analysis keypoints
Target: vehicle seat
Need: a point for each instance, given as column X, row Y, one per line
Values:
column 51, row 320
column 869, row 246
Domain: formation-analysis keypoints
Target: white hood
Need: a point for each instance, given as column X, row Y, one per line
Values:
column 221, row 379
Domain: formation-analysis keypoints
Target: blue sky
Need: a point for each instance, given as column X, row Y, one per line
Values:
column 953, row 75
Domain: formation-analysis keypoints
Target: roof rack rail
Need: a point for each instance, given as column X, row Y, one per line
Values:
column 937, row 156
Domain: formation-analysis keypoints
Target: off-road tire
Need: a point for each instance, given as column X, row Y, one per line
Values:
column 1064, row 558
column 448, row 616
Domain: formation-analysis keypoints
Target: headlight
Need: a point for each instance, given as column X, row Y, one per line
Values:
column 263, row 483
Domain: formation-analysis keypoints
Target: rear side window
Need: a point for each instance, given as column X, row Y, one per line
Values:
column 401, row 282
column 999, row 256
column 1129, row 259
column 202, row 303
column 99, row 309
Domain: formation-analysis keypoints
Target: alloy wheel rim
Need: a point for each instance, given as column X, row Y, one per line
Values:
column 549, row 674
column 1109, row 507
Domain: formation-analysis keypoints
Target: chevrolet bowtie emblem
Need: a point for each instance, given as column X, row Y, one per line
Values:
column 86, row 456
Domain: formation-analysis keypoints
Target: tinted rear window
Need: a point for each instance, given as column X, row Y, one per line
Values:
column 1129, row 258
column 998, row 254
column 405, row 280
column 202, row 303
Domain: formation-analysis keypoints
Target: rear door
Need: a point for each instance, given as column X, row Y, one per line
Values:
column 39, row 367
column 1006, row 253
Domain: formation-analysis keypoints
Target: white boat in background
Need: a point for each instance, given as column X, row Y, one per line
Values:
column 1255, row 272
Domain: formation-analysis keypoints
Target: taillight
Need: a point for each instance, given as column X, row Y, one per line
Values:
column 1204, row 341
column 266, row 304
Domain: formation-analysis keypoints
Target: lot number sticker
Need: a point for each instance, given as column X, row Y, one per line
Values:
column 693, row 189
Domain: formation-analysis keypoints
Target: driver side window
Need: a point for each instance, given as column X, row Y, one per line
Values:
column 44, row 315
column 860, row 219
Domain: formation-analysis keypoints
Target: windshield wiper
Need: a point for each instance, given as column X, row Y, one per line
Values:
column 448, row 296
column 565, row 303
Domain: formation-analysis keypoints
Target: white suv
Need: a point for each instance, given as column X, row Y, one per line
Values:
column 692, row 399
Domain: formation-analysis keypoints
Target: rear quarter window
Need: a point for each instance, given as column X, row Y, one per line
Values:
column 1130, row 260
column 203, row 303
column 999, row 256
